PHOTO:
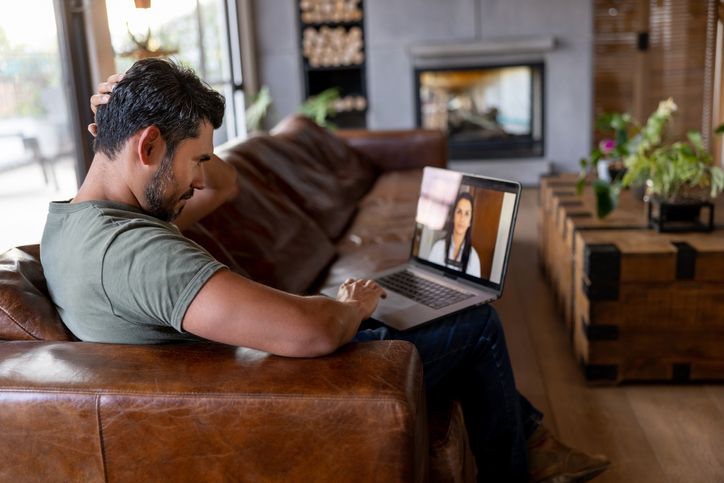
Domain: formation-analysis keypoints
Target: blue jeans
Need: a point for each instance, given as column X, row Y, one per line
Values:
column 465, row 356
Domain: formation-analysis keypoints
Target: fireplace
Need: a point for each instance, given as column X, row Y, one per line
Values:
column 487, row 112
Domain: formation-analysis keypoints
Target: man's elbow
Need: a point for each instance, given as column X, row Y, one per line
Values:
column 230, row 186
column 232, row 189
column 320, row 344
column 321, row 339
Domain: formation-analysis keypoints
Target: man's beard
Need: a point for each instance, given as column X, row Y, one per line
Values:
column 160, row 193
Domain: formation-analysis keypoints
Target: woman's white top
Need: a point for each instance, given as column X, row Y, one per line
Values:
column 437, row 255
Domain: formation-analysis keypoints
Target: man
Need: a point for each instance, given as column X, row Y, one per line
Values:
column 119, row 271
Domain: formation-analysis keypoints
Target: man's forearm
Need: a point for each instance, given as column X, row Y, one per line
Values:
column 220, row 178
column 234, row 310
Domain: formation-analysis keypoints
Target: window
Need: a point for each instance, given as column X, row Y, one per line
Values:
column 194, row 33
column 36, row 147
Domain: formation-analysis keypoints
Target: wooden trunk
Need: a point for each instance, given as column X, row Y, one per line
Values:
column 639, row 305
column 649, row 306
column 557, row 192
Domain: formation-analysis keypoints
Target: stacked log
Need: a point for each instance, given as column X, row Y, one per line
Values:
column 350, row 103
column 333, row 47
column 330, row 11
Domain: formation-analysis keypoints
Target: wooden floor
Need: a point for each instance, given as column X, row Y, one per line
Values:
column 650, row 432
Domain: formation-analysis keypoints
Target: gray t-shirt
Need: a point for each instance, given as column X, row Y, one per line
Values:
column 117, row 275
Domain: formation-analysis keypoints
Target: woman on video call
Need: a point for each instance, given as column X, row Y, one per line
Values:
column 460, row 253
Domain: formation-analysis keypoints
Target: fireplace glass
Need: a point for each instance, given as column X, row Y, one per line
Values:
column 491, row 112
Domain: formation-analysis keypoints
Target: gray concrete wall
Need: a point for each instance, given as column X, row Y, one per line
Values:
column 392, row 27
column 278, row 51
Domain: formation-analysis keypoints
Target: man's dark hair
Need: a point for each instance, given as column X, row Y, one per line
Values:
column 156, row 92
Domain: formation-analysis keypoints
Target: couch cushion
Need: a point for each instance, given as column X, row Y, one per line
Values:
column 26, row 312
column 266, row 235
column 380, row 235
column 313, row 168
column 198, row 233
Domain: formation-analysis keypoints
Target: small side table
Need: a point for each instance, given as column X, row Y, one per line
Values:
column 639, row 305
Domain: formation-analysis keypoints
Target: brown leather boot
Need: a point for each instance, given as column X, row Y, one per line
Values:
column 551, row 461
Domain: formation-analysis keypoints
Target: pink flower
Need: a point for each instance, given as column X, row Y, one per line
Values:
column 607, row 146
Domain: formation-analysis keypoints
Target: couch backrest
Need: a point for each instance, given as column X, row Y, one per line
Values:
column 398, row 150
column 298, row 191
column 26, row 312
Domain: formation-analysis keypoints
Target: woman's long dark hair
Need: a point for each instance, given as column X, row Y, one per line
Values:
column 450, row 227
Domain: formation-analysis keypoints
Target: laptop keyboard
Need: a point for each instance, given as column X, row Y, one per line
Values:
column 421, row 290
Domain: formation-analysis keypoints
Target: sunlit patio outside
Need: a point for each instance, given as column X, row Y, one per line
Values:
column 37, row 162
column 24, row 197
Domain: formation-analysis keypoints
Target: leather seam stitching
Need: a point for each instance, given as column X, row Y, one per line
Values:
column 102, row 392
column 18, row 324
column 100, row 436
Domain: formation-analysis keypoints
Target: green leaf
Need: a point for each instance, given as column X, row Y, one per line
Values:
column 618, row 123
column 695, row 139
column 582, row 176
column 621, row 138
column 580, row 184
column 603, row 123
column 717, row 181
column 719, row 129
column 596, row 154
column 606, row 197
column 621, row 150
column 321, row 106
column 258, row 107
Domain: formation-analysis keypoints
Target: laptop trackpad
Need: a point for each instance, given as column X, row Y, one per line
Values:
column 393, row 303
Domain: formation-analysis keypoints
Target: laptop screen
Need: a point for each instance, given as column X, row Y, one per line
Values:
column 464, row 225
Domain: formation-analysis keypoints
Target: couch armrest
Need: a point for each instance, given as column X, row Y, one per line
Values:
column 397, row 150
column 74, row 411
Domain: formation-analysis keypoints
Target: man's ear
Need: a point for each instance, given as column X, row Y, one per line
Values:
column 151, row 146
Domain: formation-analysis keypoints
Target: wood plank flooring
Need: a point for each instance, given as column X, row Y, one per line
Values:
column 651, row 432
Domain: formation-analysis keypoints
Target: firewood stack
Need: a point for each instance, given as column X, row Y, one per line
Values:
column 333, row 47
column 330, row 11
column 350, row 103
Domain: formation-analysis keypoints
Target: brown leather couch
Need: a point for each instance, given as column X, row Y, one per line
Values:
column 312, row 210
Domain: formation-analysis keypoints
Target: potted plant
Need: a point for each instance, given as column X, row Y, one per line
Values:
column 674, row 171
column 257, row 108
column 321, row 107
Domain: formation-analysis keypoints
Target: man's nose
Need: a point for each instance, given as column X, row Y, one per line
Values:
column 199, row 181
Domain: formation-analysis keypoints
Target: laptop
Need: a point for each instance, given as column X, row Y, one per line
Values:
column 460, row 248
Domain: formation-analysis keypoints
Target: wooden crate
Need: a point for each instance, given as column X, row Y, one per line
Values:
column 556, row 192
column 649, row 306
column 610, row 345
column 561, row 213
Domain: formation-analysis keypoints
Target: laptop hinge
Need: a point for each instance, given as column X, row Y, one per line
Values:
column 445, row 274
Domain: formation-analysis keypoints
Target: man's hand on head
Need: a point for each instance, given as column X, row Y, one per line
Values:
column 102, row 97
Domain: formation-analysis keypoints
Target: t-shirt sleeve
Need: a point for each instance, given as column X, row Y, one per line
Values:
column 152, row 274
